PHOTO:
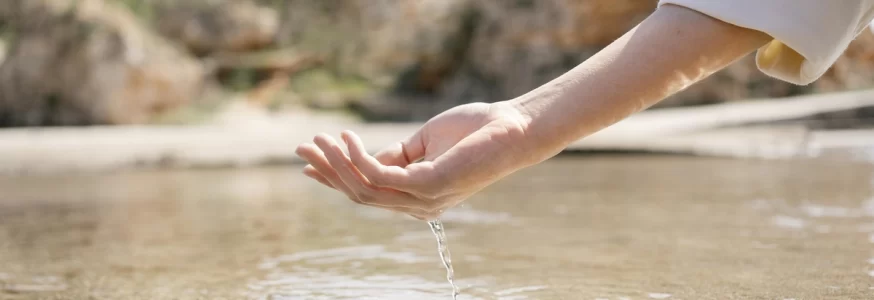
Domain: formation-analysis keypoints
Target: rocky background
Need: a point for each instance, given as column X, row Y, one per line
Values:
column 88, row 62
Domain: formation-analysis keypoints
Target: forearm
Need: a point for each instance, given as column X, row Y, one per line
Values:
column 672, row 49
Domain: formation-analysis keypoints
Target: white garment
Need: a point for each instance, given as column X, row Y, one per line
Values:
column 809, row 35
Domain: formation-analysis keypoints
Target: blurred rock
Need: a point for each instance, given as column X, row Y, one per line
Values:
column 88, row 62
column 2, row 51
column 422, row 57
column 386, row 59
column 211, row 26
column 854, row 70
column 377, row 44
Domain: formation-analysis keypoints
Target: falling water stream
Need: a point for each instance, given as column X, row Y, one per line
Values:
column 443, row 249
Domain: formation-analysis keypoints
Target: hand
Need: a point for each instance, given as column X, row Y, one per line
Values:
column 453, row 156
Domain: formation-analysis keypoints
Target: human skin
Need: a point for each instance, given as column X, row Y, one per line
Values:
column 465, row 149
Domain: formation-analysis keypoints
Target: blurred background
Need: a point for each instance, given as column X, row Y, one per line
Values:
column 113, row 62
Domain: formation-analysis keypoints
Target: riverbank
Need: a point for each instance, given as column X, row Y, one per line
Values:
column 762, row 129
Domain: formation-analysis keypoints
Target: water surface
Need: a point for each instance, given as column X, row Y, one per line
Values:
column 599, row 227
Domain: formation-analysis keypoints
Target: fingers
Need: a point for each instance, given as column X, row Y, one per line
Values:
column 378, row 174
column 404, row 152
column 341, row 164
column 363, row 190
column 320, row 164
column 399, row 154
column 416, row 179
column 311, row 172
column 420, row 214
column 355, row 175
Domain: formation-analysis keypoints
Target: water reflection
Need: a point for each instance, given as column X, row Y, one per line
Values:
column 590, row 228
column 346, row 273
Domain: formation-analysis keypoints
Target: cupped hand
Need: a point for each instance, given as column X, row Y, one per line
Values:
column 451, row 157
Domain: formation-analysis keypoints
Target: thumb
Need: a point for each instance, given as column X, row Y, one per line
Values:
column 378, row 173
column 404, row 152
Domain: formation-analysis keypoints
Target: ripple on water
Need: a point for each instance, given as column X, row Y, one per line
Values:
column 347, row 254
column 343, row 273
column 520, row 290
column 659, row 296
column 366, row 272
column 415, row 236
column 471, row 216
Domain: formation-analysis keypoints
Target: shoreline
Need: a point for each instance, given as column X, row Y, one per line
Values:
column 737, row 130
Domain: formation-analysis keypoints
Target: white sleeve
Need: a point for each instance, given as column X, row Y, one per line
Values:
column 809, row 35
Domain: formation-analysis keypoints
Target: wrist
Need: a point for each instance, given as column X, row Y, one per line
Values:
column 529, row 144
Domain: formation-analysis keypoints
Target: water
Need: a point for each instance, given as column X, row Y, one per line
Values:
column 595, row 227
column 445, row 257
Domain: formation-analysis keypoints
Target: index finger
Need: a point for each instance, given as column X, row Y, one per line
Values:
column 377, row 173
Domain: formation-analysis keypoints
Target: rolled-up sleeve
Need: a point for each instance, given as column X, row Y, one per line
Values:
column 809, row 35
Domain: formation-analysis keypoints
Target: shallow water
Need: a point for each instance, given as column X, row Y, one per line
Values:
column 606, row 227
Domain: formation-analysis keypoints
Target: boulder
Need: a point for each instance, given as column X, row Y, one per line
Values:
column 376, row 45
column 217, row 26
column 80, row 62
column 2, row 51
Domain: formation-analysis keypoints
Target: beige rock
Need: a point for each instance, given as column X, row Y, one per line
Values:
column 2, row 51
column 211, row 26
column 380, row 40
column 91, row 63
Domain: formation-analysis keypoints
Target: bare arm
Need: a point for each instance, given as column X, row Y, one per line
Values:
column 471, row 146
column 672, row 49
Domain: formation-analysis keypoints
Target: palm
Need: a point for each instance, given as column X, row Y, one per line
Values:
column 444, row 131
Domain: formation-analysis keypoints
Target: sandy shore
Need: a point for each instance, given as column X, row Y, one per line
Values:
column 257, row 140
